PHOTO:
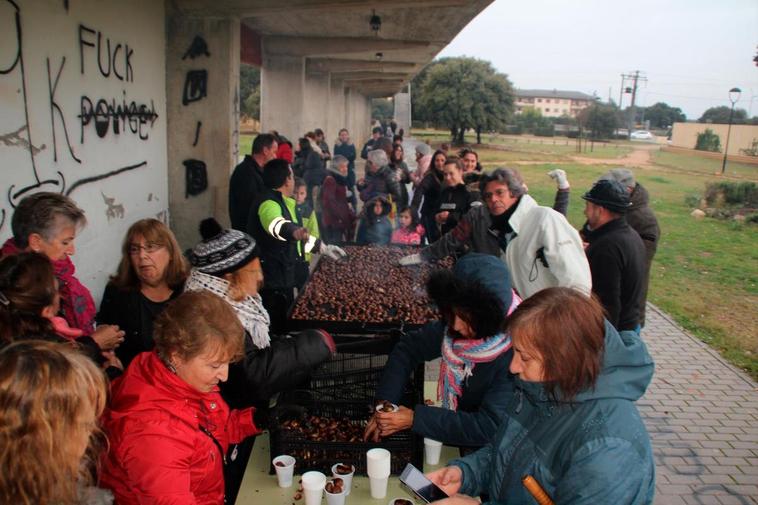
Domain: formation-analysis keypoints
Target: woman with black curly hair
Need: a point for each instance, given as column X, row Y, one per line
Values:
column 474, row 383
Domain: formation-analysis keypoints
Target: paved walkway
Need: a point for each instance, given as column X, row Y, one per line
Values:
column 702, row 415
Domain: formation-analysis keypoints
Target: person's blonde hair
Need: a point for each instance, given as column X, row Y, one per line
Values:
column 156, row 232
column 196, row 323
column 51, row 396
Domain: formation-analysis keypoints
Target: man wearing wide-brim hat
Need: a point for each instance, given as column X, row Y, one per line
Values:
column 616, row 254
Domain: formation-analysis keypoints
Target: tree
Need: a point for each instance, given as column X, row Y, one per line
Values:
column 720, row 115
column 531, row 120
column 708, row 141
column 661, row 115
column 382, row 109
column 463, row 93
column 250, row 90
column 600, row 119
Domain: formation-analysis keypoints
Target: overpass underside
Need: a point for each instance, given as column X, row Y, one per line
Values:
column 321, row 63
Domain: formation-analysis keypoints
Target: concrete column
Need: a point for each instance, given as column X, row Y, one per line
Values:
column 282, row 94
column 402, row 112
column 202, row 88
column 335, row 119
column 316, row 103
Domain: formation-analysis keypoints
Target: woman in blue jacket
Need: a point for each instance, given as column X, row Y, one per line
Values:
column 572, row 424
column 474, row 385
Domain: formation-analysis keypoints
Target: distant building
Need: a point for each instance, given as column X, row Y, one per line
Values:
column 553, row 102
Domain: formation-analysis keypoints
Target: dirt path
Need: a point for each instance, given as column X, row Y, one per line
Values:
column 639, row 157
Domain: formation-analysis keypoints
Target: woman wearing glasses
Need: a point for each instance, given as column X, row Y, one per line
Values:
column 152, row 272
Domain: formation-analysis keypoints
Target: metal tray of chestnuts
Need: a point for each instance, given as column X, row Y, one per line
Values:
column 367, row 292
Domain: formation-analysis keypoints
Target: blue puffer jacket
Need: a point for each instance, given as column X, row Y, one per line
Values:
column 591, row 452
column 485, row 396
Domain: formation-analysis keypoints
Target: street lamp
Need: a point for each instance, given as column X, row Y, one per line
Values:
column 734, row 96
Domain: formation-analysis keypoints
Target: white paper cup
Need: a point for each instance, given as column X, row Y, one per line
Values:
column 284, row 473
column 432, row 450
column 336, row 498
column 378, row 463
column 347, row 478
column 378, row 486
column 313, row 487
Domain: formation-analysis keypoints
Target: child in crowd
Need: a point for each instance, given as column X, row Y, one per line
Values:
column 410, row 231
column 375, row 226
column 307, row 214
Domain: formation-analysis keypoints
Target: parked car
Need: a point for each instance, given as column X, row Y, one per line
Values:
column 642, row 135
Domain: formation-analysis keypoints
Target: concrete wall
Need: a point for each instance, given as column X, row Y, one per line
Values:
column 283, row 94
column 402, row 112
column 741, row 137
column 82, row 95
column 202, row 80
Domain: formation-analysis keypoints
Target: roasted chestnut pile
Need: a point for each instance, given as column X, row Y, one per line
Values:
column 324, row 429
column 369, row 286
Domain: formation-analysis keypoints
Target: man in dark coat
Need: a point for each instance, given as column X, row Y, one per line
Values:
column 615, row 253
column 475, row 383
column 376, row 134
column 642, row 220
column 246, row 184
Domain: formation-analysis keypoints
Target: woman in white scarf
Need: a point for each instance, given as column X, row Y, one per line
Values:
column 227, row 263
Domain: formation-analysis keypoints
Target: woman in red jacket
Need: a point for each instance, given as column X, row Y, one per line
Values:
column 168, row 426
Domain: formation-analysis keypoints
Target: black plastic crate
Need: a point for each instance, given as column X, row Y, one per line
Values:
column 405, row 447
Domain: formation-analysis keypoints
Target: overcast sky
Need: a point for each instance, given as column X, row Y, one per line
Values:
column 691, row 51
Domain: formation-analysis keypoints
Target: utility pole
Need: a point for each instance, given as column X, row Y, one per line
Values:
column 636, row 78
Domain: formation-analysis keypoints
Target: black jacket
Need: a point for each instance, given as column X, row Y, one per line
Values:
column 380, row 183
column 457, row 201
column 485, row 396
column 617, row 262
column 278, row 257
column 282, row 366
column 642, row 219
column 348, row 151
column 134, row 315
column 245, row 186
column 314, row 171
column 429, row 189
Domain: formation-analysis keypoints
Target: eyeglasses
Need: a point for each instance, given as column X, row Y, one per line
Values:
column 149, row 248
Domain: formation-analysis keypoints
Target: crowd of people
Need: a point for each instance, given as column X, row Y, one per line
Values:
column 158, row 396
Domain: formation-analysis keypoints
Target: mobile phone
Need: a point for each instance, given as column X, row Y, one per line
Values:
column 416, row 482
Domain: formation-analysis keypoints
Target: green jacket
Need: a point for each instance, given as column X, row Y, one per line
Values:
column 276, row 220
column 593, row 451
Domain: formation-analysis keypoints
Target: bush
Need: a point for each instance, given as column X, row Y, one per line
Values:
column 546, row 130
column 752, row 150
column 743, row 194
column 708, row 141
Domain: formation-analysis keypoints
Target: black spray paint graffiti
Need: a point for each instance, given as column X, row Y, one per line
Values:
column 195, row 86
column 54, row 107
column 198, row 48
column 95, row 178
column 15, row 195
column 196, row 178
column 19, row 61
column 197, row 133
column 103, row 115
column 118, row 56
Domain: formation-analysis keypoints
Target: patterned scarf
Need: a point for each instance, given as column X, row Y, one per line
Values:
column 250, row 311
column 77, row 305
column 459, row 356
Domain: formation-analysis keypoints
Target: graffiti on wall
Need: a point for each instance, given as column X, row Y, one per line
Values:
column 195, row 89
column 59, row 163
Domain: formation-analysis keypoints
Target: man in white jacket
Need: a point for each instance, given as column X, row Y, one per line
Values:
column 537, row 243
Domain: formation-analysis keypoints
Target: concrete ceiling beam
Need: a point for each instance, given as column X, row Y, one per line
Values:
column 367, row 76
column 335, row 65
column 314, row 46
column 264, row 8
